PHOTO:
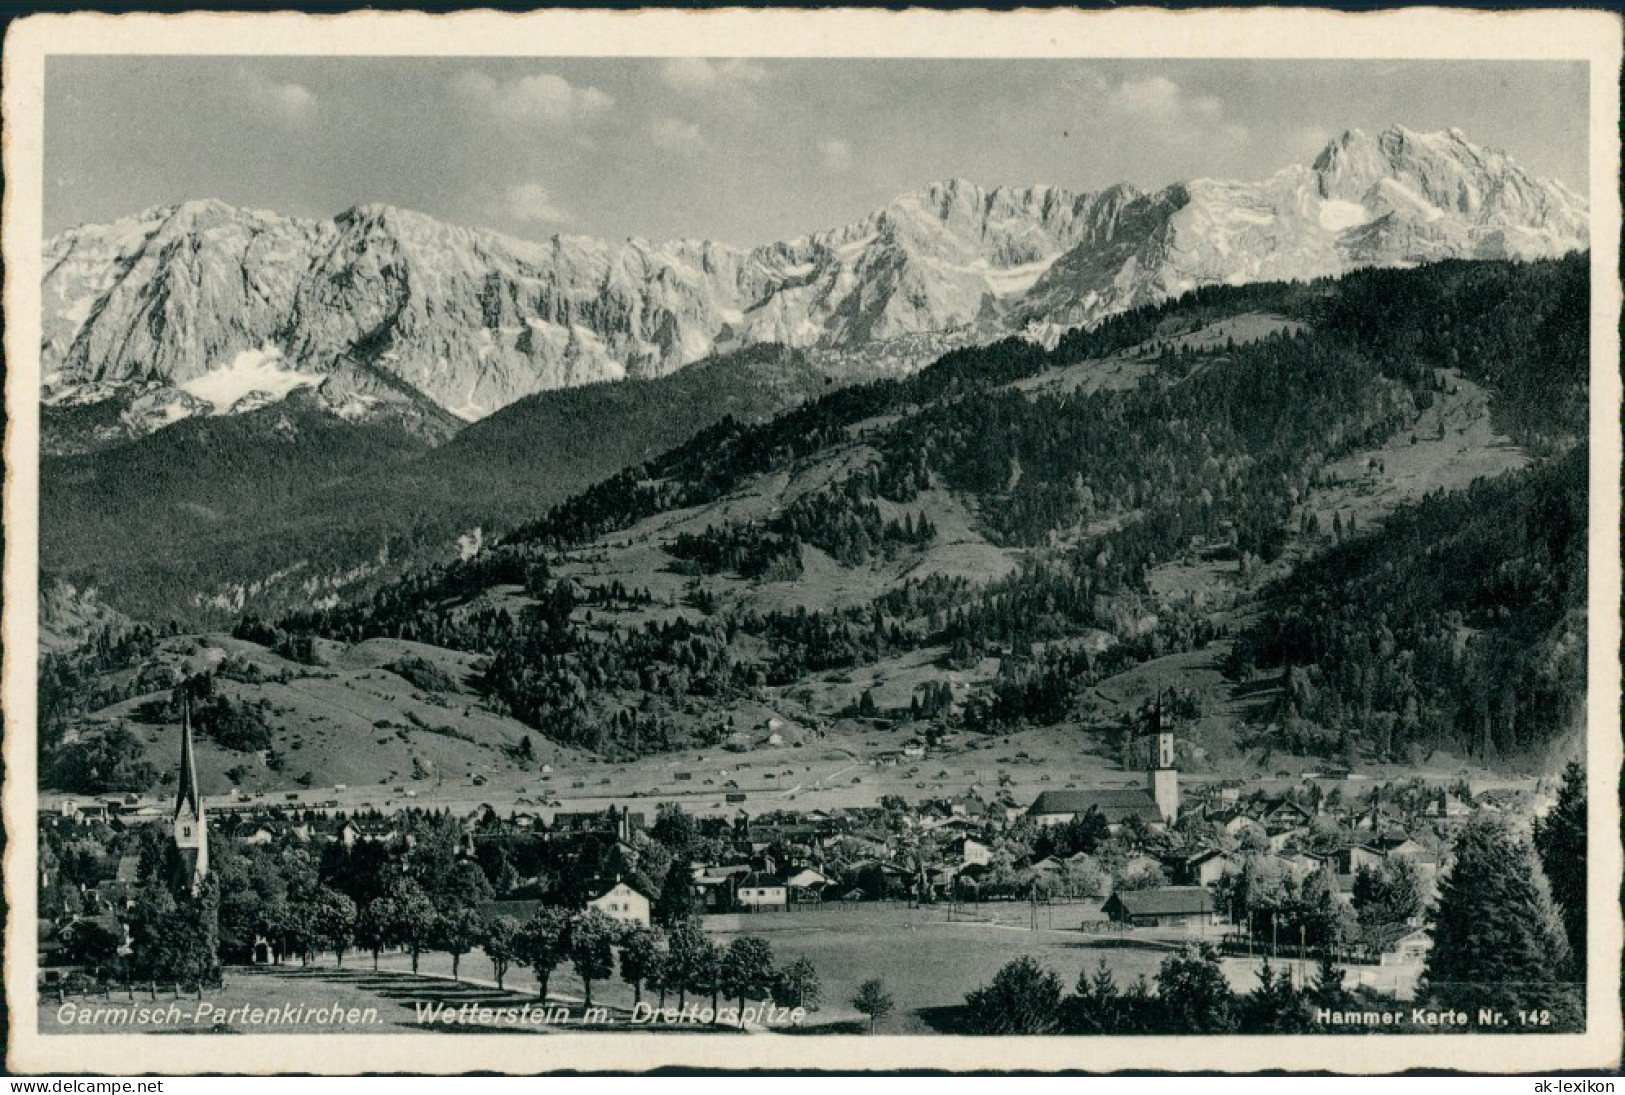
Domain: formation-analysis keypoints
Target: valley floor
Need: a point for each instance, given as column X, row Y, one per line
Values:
column 929, row 957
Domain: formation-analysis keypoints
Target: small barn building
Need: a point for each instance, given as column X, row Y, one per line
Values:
column 1186, row 907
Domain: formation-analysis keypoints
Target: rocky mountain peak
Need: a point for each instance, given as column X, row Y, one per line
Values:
column 472, row 320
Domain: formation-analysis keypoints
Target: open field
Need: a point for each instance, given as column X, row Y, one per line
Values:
column 1452, row 443
column 928, row 958
column 839, row 763
column 929, row 961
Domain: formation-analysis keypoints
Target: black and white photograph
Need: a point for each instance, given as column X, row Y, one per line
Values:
column 752, row 553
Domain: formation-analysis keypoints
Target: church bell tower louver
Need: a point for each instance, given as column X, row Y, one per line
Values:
column 1163, row 774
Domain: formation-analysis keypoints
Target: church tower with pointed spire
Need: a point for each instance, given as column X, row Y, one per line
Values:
column 190, row 828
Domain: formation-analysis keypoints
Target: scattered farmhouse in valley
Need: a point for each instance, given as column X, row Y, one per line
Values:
column 762, row 892
column 1162, row 907
column 621, row 900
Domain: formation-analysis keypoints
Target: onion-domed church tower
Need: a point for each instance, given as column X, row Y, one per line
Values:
column 190, row 829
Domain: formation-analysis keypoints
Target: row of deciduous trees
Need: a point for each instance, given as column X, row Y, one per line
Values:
column 678, row 960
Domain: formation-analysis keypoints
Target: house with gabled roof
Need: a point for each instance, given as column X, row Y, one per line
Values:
column 716, row 884
column 261, row 834
column 1285, row 810
column 1204, row 868
column 1047, row 865
column 1302, row 863
column 762, row 892
column 1186, row 907
column 366, row 830
column 807, row 885
column 621, row 899
column 970, row 852
column 1115, row 805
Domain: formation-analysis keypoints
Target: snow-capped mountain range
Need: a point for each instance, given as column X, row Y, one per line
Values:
column 203, row 308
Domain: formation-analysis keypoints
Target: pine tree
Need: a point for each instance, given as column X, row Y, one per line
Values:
column 1275, row 1006
column 1023, row 998
column 1560, row 838
column 1097, row 1000
column 1327, row 991
column 1497, row 939
column 1195, row 996
column 677, row 899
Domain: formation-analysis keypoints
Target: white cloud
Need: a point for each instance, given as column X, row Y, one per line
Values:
column 1157, row 99
column 293, row 101
column 698, row 75
column 542, row 98
column 676, row 135
column 837, row 155
column 1165, row 112
column 530, row 203
column 289, row 102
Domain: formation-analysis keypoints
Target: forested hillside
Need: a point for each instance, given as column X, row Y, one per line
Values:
column 1523, row 330
column 1208, row 453
column 287, row 504
column 1462, row 620
column 164, row 526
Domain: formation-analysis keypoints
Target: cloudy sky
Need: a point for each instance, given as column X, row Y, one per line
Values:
column 743, row 151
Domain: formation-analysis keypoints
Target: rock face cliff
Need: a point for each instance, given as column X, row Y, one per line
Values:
column 202, row 308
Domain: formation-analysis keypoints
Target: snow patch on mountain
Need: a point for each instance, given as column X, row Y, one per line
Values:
column 257, row 376
column 1337, row 216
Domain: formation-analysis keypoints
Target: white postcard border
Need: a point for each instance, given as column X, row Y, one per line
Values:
column 1141, row 33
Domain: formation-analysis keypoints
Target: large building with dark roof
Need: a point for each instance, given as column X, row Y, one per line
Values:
column 1157, row 803
column 1115, row 805
column 1162, row 907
